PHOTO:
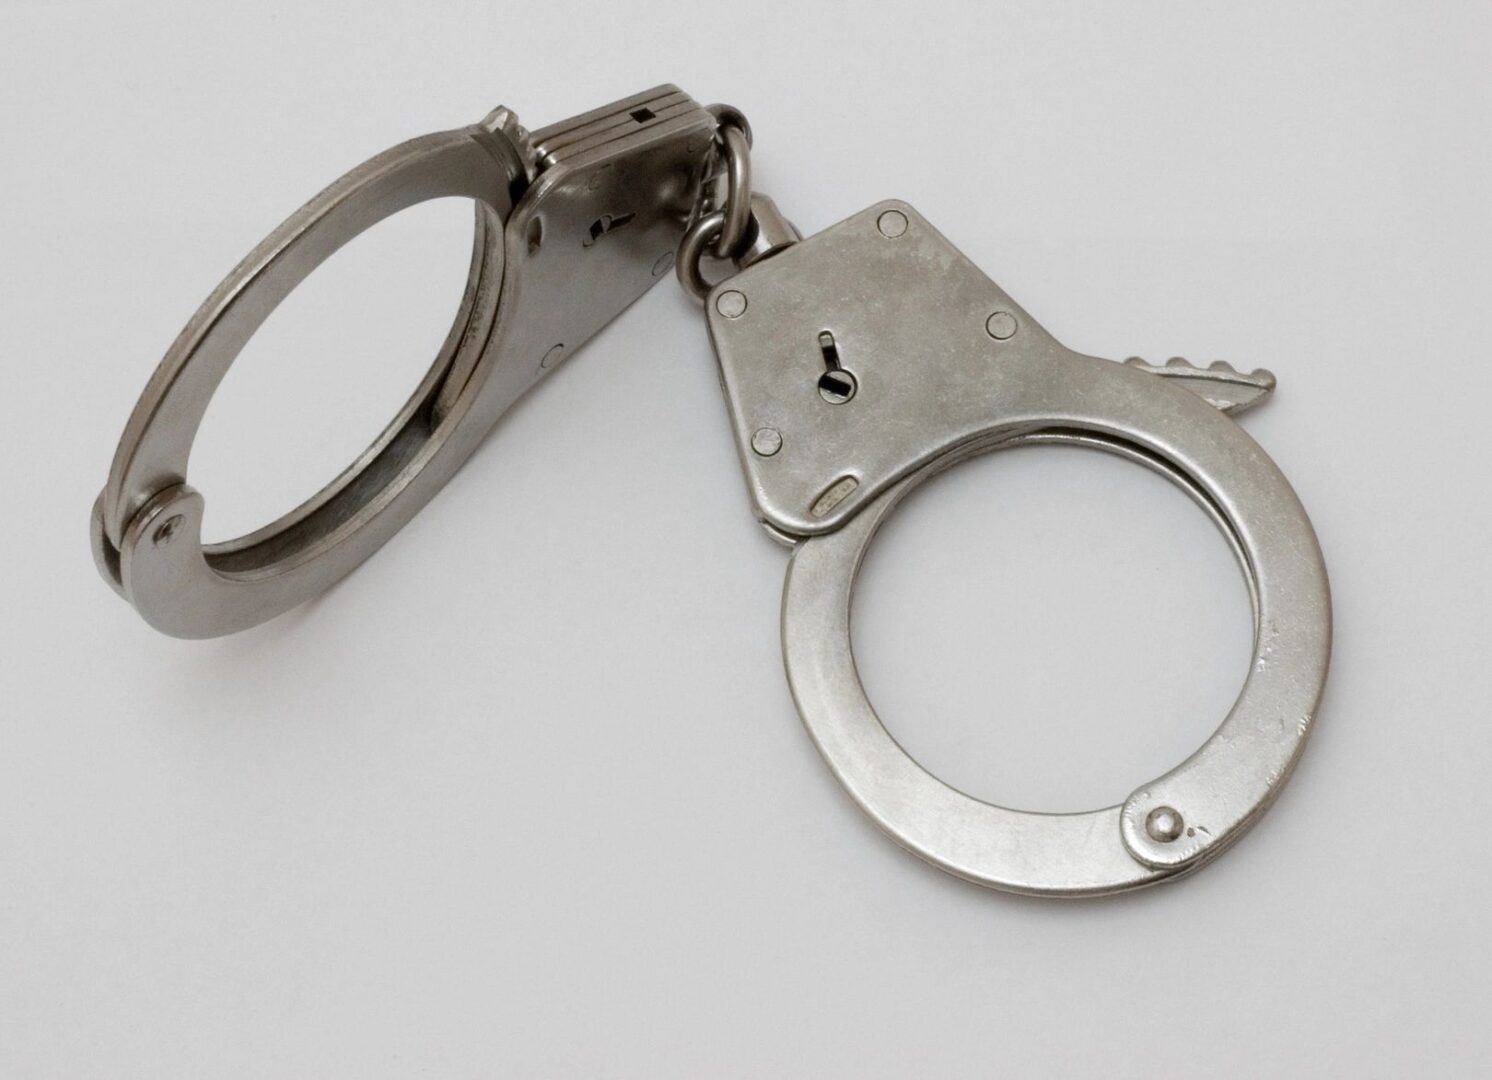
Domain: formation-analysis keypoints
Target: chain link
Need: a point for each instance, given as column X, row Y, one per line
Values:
column 737, row 207
column 700, row 236
column 722, row 228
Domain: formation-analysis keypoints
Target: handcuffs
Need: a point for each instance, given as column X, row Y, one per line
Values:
column 856, row 364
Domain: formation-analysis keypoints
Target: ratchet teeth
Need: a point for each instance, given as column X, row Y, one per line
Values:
column 1219, row 384
column 504, row 120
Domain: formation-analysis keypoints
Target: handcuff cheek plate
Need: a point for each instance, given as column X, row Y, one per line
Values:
column 937, row 377
column 603, row 201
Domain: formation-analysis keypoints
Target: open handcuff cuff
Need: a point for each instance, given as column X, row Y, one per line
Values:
column 856, row 364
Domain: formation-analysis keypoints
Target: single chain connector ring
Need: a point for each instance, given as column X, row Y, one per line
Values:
column 699, row 239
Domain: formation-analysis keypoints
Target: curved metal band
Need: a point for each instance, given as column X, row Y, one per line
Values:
column 147, row 522
column 1219, row 791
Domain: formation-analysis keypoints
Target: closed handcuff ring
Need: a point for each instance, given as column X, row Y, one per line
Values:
column 1170, row 825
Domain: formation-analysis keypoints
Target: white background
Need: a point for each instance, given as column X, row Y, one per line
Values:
column 526, row 794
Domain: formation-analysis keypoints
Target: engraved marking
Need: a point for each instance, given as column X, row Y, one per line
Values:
column 833, row 495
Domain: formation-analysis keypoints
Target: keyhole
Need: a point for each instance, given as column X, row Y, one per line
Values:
column 836, row 385
column 604, row 224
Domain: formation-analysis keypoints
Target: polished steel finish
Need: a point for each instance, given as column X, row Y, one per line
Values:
column 586, row 208
column 911, row 319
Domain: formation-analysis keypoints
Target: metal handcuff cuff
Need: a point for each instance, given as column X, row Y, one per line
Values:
column 856, row 364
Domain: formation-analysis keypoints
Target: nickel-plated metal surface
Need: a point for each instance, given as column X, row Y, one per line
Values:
column 938, row 377
column 592, row 223
column 856, row 364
